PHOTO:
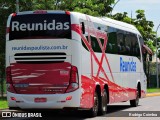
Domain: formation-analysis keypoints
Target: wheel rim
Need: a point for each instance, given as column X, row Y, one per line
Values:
column 104, row 102
column 137, row 98
column 95, row 107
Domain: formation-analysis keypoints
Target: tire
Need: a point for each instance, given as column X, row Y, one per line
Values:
column 103, row 105
column 94, row 110
column 135, row 102
column 11, row 108
column 14, row 108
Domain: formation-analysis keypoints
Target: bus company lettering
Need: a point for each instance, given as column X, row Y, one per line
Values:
column 127, row 66
column 16, row 26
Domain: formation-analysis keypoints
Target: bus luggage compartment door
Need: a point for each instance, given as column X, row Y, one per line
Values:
column 33, row 73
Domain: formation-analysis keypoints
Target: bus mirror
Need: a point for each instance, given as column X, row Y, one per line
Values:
column 83, row 27
column 150, row 57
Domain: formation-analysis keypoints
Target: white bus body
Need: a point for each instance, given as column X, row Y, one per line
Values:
column 57, row 60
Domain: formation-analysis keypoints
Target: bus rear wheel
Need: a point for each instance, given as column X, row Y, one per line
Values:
column 94, row 110
column 135, row 102
column 104, row 100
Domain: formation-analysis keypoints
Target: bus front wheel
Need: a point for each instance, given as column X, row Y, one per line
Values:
column 134, row 103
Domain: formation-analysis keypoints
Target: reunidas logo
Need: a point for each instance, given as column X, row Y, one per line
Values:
column 127, row 65
column 16, row 26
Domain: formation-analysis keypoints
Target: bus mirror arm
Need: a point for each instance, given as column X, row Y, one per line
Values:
column 147, row 50
column 144, row 57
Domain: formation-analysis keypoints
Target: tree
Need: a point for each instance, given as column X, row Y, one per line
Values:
column 122, row 17
column 44, row 4
column 6, row 7
column 142, row 24
column 149, row 43
column 91, row 7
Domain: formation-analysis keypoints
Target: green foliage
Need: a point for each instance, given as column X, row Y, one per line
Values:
column 3, row 86
column 152, row 90
column 91, row 7
column 122, row 17
column 3, row 103
column 146, row 27
column 150, row 45
column 158, row 41
column 6, row 7
column 44, row 4
column 142, row 24
column 159, row 55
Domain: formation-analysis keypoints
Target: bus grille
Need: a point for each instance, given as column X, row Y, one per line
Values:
column 40, row 57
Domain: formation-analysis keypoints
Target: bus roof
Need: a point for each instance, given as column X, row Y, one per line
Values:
column 110, row 22
column 121, row 25
column 103, row 20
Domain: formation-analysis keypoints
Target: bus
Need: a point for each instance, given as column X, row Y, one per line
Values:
column 63, row 59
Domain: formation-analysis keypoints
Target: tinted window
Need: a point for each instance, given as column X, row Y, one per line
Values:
column 112, row 41
column 121, row 42
column 84, row 43
column 128, row 43
column 137, row 52
column 134, row 44
column 32, row 26
column 93, row 40
column 96, row 45
column 141, row 44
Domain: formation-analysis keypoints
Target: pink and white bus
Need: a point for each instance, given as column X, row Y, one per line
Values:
column 62, row 59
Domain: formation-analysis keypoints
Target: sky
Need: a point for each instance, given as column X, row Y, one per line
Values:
column 151, row 7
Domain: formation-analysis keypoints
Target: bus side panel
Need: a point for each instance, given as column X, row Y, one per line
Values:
column 97, row 71
column 87, row 88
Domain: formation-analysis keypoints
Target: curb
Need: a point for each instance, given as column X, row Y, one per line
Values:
column 152, row 94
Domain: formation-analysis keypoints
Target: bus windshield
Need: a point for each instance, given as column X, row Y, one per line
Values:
column 40, row 26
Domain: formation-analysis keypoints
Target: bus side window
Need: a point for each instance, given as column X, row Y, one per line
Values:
column 121, row 42
column 83, row 44
column 83, row 27
column 95, row 45
column 127, row 43
column 135, row 49
column 133, row 45
column 141, row 47
column 112, row 41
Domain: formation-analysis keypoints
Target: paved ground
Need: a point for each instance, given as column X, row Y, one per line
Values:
column 148, row 94
column 120, row 111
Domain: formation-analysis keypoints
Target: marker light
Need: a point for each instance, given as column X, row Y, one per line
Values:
column 69, row 98
column 40, row 12
column 14, row 14
column 67, row 12
column 13, row 98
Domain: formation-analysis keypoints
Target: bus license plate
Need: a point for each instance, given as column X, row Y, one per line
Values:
column 40, row 100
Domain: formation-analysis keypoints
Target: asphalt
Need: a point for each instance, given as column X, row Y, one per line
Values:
column 147, row 95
